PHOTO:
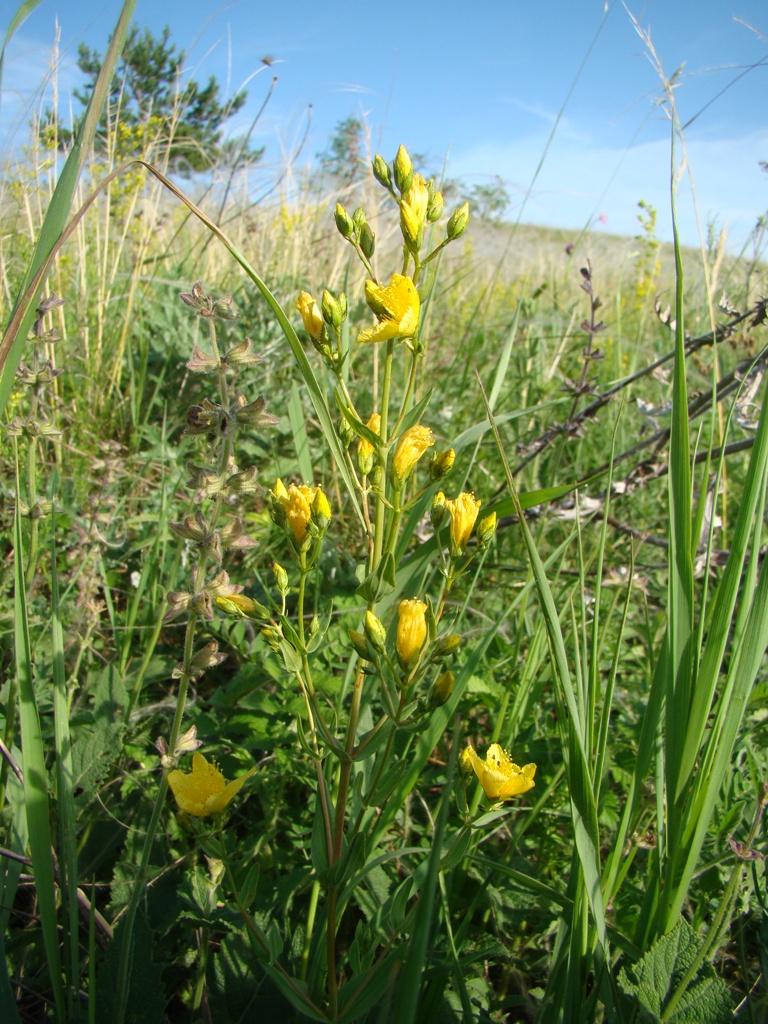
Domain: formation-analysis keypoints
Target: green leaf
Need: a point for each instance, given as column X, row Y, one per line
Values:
column 35, row 773
column 380, row 582
column 319, row 839
column 95, row 749
column 300, row 439
column 651, row 982
column 414, row 416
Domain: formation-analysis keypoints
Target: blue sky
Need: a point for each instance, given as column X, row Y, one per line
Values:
column 482, row 82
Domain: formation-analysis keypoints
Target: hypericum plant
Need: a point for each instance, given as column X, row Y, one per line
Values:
column 398, row 657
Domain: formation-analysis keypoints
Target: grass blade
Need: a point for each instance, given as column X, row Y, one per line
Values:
column 35, row 775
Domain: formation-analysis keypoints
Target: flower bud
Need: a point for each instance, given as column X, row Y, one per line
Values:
column 375, row 632
column 409, row 450
column 441, row 464
column 272, row 638
column 442, row 688
column 466, row 771
column 281, row 578
column 359, row 644
column 463, row 512
column 435, row 207
column 486, row 529
column 310, row 315
column 241, row 606
column 367, row 241
column 457, row 225
column 446, row 645
column 366, row 453
column 381, row 171
column 321, row 512
column 411, row 630
column 403, row 170
column 438, row 510
column 358, row 219
column 410, row 227
column 345, row 432
column 314, row 625
column 344, row 222
column 331, row 311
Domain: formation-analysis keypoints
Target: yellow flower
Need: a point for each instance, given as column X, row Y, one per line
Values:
column 311, row 315
column 365, row 450
column 204, row 790
column 463, row 512
column 297, row 504
column 499, row 777
column 413, row 211
column 409, row 450
column 396, row 306
column 411, row 629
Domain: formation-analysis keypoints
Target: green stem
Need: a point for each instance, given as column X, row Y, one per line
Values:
column 381, row 508
column 408, row 391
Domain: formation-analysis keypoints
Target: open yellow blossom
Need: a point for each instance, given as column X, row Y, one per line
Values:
column 411, row 629
column 365, row 450
column 409, row 450
column 204, row 790
column 463, row 511
column 499, row 776
column 311, row 315
column 396, row 306
column 297, row 502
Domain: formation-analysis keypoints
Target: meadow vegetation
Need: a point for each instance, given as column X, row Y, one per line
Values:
column 383, row 608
